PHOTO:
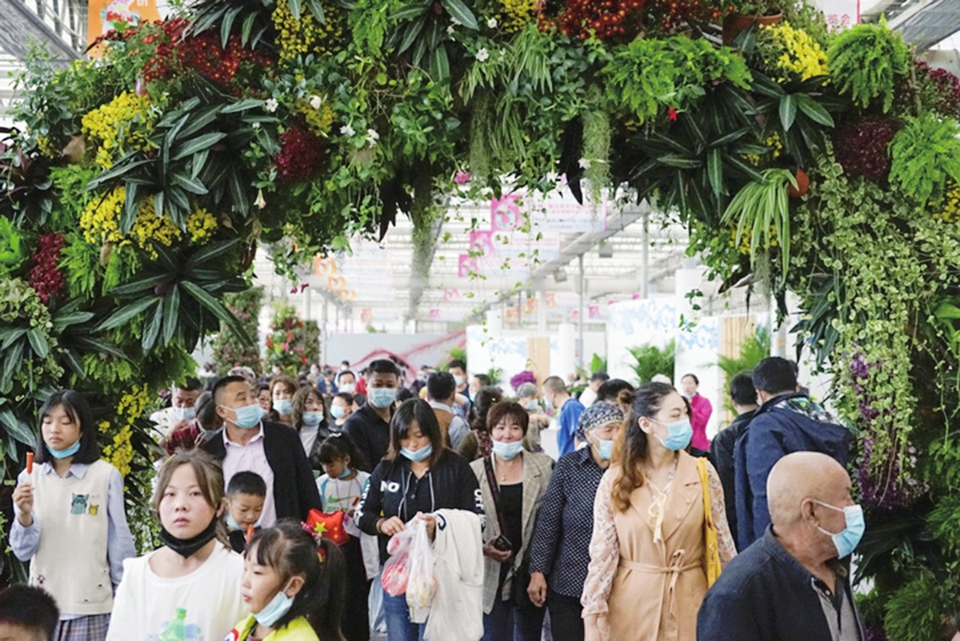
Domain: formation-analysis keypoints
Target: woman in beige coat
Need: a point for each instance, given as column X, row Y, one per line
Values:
column 647, row 574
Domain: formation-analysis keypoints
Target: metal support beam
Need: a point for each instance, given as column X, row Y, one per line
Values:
column 21, row 26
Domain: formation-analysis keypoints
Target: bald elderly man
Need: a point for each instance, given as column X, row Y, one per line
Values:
column 791, row 584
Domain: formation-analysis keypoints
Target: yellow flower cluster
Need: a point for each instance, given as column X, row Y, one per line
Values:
column 516, row 14
column 950, row 207
column 124, row 122
column 200, row 225
column 47, row 150
column 306, row 35
column 800, row 54
column 318, row 120
column 131, row 407
column 773, row 141
column 100, row 222
column 744, row 247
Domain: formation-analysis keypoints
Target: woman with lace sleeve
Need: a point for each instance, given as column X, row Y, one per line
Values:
column 647, row 574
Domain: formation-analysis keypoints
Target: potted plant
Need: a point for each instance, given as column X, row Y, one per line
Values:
column 747, row 13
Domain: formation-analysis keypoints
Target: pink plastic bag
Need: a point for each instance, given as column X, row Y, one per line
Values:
column 396, row 571
column 421, row 584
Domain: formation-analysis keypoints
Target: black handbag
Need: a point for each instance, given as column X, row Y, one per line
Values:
column 521, row 577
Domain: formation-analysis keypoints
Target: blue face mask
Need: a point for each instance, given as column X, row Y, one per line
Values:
column 312, row 419
column 336, row 411
column 185, row 413
column 64, row 453
column 533, row 406
column 417, row 455
column 283, row 406
column 248, row 416
column 679, row 435
column 605, row 449
column 233, row 525
column 345, row 473
column 381, row 397
column 274, row 611
column 507, row 451
column 846, row 540
column 210, row 434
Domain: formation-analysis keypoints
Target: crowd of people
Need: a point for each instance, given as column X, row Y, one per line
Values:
column 642, row 529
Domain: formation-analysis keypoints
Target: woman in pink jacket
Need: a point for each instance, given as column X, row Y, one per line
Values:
column 700, row 411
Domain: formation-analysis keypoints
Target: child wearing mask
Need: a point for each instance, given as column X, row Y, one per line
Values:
column 69, row 520
column 292, row 586
column 194, row 570
column 246, row 493
column 340, row 489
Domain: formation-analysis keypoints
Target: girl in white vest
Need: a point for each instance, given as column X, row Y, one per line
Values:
column 195, row 571
column 70, row 521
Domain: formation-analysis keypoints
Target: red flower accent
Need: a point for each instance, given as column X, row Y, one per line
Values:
column 301, row 153
column 45, row 276
column 672, row 114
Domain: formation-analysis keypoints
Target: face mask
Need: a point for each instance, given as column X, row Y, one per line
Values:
column 233, row 525
column 185, row 413
column 846, row 540
column 381, row 397
column 604, row 448
column 188, row 547
column 679, row 435
column 347, row 388
column 274, row 611
column 210, row 434
column 417, row 455
column 507, row 451
column 283, row 406
column 458, row 380
column 337, row 412
column 248, row 416
column 533, row 406
column 548, row 403
column 345, row 473
column 64, row 453
column 312, row 419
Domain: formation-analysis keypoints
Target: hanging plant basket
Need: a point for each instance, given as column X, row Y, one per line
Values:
column 735, row 23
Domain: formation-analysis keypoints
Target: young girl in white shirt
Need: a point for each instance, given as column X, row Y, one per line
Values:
column 70, row 521
column 292, row 586
column 195, row 570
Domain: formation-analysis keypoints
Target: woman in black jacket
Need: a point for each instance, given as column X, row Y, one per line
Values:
column 418, row 476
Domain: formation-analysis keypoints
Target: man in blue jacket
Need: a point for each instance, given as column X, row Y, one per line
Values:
column 793, row 584
column 787, row 421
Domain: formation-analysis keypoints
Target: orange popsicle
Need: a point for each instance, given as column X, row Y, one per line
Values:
column 249, row 532
column 29, row 462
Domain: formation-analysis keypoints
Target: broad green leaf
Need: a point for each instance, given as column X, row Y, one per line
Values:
column 814, row 111
column 128, row 313
column 171, row 313
column 38, row 342
column 142, row 285
column 10, row 335
column 715, row 172
column 242, row 105
column 189, row 183
column 228, row 19
column 295, row 8
column 63, row 321
column 209, row 252
column 12, row 360
column 16, row 429
column 152, row 330
column 317, row 10
column 218, row 310
column 461, row 13
column 199, row 143
column 788, row 111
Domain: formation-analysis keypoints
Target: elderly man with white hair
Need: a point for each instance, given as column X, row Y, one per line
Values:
column 791, row 584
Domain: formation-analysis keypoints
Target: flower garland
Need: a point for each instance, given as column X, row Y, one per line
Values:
column 126, row 121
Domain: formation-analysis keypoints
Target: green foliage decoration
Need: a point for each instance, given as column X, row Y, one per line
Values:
column 866, row 61
column 228, row 350
column 926, row 153
column 650, row 360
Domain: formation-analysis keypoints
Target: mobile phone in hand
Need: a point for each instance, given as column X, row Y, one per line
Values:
column 503, row 544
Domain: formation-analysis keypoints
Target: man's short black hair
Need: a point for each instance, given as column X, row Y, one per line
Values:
column 775, row 375
column 603, row 377
column 222, row 383
column 246, row 483
column 31, row 608
column 484, row 380
column 383, row 366
column 191, row 384
column 742, row 390
column 610, row 390
column 441, row 386
column 457, row 363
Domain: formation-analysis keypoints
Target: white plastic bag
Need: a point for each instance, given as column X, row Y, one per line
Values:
column 396, row 570
column 421, row 583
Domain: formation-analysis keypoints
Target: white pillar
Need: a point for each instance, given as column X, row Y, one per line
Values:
column 566, row 357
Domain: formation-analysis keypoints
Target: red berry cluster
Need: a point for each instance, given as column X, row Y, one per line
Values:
column 606, row 20
column 45, row 276
column 203, row 54
column 671, row 15
column 301, row 153
column 861, row 147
